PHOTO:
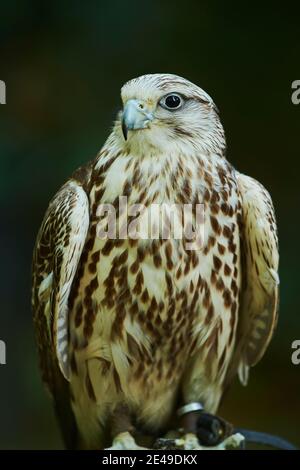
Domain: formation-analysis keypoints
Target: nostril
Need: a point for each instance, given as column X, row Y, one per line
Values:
column 141, row 106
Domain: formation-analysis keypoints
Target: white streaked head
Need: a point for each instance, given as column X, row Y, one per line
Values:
column 164, row 112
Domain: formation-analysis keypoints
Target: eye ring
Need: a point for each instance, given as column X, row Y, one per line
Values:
column 172, row 101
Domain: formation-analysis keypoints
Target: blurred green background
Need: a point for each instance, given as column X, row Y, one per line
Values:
column 64, row 63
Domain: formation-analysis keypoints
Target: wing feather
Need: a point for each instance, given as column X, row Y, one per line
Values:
column 56, row 257
column 57, row 252
column 260, row 292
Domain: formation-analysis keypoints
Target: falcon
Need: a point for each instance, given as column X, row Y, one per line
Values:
column 137, row 336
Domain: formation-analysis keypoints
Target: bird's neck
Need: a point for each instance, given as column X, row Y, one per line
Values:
column 160, row 177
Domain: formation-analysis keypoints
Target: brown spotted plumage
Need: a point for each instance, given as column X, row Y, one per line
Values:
column 144, row 325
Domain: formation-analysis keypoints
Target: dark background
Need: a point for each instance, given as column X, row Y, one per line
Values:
column 63, row 64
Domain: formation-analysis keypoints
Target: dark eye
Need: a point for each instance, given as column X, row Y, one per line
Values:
column 171, row 101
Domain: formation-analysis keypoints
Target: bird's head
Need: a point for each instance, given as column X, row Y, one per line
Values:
column 164, row 112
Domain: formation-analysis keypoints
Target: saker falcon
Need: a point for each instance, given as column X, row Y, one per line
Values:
column 130, row 330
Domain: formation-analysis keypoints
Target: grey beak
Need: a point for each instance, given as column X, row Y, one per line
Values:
column 135, row 116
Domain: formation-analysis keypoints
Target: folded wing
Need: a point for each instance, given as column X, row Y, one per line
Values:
column 259, row 297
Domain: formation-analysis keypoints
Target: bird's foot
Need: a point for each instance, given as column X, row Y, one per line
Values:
column 190, row 442
column 124, row 441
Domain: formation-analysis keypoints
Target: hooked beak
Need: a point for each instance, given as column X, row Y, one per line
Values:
column 135, row 116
